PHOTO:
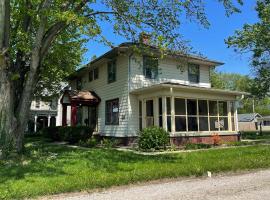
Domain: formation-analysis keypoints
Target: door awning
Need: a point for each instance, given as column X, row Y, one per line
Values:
column 82, row 98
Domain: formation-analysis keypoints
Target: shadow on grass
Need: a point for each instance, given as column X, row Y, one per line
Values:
column 42, row 159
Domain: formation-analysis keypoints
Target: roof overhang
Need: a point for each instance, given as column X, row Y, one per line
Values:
column 83, row 98
column 129, row 46
column 181, row 87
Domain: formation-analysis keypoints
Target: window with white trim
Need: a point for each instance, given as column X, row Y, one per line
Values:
column 150, row 67
column 112, row 112
column 193, row 73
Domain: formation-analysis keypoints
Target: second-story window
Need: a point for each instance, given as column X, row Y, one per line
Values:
column 79, row 84
column 90, row 75
column 111, row 68
column 93, row 74
column 37, row 103
column 194, row 73
column 150, row 67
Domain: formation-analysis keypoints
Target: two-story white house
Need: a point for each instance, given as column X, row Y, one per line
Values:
column 122, row 91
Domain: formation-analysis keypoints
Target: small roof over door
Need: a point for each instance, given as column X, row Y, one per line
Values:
column 84, row 98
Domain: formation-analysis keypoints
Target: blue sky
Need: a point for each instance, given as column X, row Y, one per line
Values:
column 209, row 42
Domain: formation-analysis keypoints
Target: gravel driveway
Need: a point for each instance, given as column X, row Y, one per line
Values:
column 249, row 186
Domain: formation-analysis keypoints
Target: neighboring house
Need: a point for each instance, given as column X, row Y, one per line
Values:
column 122, row 92
column 265, row 123
column 248, row 121
column 44, row 113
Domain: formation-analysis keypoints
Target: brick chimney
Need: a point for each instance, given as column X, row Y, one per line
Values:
column 145, row 38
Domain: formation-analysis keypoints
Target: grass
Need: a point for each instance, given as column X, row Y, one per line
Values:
column 48, row 169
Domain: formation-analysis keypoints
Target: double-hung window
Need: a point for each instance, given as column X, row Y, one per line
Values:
column 93, row 74
column 111, row 68
column 112, row 112
column 193, row 73
column 150, row 67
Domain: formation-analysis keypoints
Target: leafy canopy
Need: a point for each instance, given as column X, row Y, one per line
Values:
column 255, row 38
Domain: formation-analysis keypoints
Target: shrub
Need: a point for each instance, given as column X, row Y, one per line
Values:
column 70, row 134
column 216, row 139
column 109, row 142
column 91, row 142
column 153, row 138
column 190, row 146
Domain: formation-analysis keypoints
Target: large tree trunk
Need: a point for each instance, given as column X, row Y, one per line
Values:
column 6, row 109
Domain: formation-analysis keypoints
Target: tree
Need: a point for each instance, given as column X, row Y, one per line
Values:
column 255, row 38
column 231, row 81
column 238, row 82
column 41, row 29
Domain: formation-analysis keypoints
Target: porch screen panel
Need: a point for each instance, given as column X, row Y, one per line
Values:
column 180, row 114
column 140, row 115
column 223, row 115
column 169, row 120
column 149, row 113
column 192, row 115
column 203, row 115
column 213, row 116
column 160, row 119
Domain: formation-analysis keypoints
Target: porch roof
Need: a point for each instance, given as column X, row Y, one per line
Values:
column 88, row 98
column 156, row 87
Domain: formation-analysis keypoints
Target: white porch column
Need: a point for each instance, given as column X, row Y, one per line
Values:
column 143, row 114
column 49, row 121
column 164, row 113
column 172, row 115
column 236, row 119
column 229, row 115
column 35, row 124
column 156, row 112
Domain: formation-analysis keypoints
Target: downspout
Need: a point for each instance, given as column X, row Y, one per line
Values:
column 129, row 70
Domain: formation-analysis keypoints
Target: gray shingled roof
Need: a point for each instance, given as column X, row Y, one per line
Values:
column 248, row 117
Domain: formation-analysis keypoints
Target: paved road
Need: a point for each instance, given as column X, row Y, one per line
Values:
column 249, row 186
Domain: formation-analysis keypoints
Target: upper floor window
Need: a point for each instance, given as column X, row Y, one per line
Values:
column 112, row 112
column 90, row 75
column 93, row 74
column 111, row 71
column 37, row 103
column 79, row 84
column 150, row 67
column 193, row 73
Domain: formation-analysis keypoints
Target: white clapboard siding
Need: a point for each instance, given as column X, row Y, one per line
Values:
column 105, row 91
column 168, row 72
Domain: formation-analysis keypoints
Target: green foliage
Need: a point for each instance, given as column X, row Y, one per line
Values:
column 190, row 146
column 70, row 134
column 153, row 138
column 255, row 135
column 47, row 169
column 230, row 81
column 255, row 38
column 109, row 142
column 90, row 142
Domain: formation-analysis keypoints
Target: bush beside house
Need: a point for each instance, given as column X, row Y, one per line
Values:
column 153, row 138
column 70, row 134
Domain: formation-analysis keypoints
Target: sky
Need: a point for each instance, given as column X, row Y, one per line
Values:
column 209, row 42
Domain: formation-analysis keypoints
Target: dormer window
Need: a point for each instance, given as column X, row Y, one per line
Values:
column 193, row 73
column 150, row 67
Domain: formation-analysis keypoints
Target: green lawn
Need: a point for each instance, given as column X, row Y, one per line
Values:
column 48, row 169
